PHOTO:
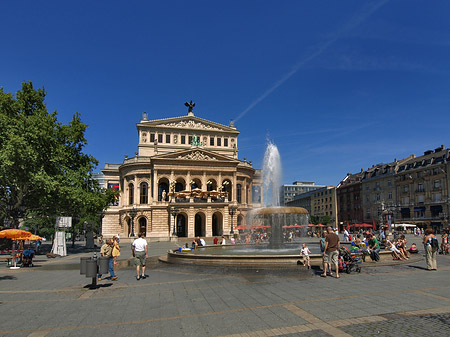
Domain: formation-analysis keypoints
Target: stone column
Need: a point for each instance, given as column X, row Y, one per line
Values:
column 204, row 187
column 155, row 185
column 136, row 191
column 208, row 222
column 188, row 181
column 234, row 189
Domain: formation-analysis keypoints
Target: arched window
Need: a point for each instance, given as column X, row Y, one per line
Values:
column 239, row 193
column 144, row 193
column 131, row 194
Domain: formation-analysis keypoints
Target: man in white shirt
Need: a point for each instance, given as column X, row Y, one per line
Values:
column 140, row 254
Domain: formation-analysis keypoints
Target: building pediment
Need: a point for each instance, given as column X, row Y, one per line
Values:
column 196, row 154
column 187, row 123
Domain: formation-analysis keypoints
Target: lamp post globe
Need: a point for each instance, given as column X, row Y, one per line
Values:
column 174, row 212
column 132, row 213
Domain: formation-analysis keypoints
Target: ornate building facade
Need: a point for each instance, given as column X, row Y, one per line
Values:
column 185, row 181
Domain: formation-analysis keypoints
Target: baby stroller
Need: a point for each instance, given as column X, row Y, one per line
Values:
column 348, row 261
column 28, row 256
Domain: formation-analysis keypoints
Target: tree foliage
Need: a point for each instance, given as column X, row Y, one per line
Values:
column 43, row 169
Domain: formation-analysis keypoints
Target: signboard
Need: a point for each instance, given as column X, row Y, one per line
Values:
column 59, row 244
column 63, row 221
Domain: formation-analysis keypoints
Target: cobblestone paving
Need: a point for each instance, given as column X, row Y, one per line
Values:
column 401, row 300
column 429, row 325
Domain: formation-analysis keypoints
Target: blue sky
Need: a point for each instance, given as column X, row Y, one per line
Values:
column 336, row 85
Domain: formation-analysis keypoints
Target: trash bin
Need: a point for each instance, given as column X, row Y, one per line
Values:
column 91, row 268
column 103, row 265
column 83, row 265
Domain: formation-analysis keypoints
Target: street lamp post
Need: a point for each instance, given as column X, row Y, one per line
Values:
column 232, row 210
column 132, row 213
column 174, row 212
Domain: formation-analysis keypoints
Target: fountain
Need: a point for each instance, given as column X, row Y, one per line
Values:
column 274, row 254
column 274, row 215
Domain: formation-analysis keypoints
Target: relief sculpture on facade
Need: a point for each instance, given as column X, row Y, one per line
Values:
column 197, row 155
column 190, row 124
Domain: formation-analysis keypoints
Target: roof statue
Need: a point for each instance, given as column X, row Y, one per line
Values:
column 189, row 105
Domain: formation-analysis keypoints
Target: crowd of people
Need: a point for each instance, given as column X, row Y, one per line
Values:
column 367, row 243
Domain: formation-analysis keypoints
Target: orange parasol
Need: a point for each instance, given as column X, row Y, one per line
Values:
column 14, row 234
column 32, row 237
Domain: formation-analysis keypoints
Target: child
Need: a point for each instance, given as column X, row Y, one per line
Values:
column 305, row 253
column 413, row 249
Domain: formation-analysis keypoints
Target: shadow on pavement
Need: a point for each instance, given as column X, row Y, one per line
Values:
column 417, row 267
column 97, row 286
column 7, row 277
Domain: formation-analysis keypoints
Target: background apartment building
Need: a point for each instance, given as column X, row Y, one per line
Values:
column 379, row 191
column 348, row 194
column 289, row 192
column 324, row 204
column 422, row 186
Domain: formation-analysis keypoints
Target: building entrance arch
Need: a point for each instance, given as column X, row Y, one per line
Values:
column 240, row 220
column 199, row 227
column 143, row 226
column 181, row 226
column 217, row 224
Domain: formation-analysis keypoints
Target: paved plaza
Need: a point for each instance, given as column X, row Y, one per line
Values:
column 51, row 300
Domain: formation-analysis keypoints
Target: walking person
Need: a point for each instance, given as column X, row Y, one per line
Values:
column 140, row 254
column 346, row 235
column 330, row 254
column 431, row 246
column 106, row 251
column 116, row 249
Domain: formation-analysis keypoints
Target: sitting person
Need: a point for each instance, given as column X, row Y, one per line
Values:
column 401, row 245
column 396, row 253
column 413, row 249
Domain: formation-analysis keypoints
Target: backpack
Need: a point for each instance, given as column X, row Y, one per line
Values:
column 434, row 243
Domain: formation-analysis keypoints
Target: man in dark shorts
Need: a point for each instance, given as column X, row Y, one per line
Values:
column 331, row 252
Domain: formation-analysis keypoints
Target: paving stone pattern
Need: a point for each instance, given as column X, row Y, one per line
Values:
column 52, row 300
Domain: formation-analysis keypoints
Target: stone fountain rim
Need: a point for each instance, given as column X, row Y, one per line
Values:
column 280, row 210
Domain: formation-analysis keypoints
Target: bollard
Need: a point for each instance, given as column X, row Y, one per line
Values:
column 83, row 265
column 103, row 265
column 91, row 268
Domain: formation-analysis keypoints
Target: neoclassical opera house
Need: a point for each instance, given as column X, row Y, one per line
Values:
column 185, row 180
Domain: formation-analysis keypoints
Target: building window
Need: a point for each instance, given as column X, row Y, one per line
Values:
column 405, row 188
column 190, row 140
column 219, row 141
column 437, row 197
column 405, row 201
column 152, row 137
column 420, row 199
column 239, row 193
column 437, row 184
column 420, row 187
column 183, row 139
column 211, row 141
column 144, row 193
column 130, row 194
column 160, row 138
column 168, row 139
column 389, row 183
column 225, row 142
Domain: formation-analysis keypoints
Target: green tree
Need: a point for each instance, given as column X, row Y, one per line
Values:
column 43, row 170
